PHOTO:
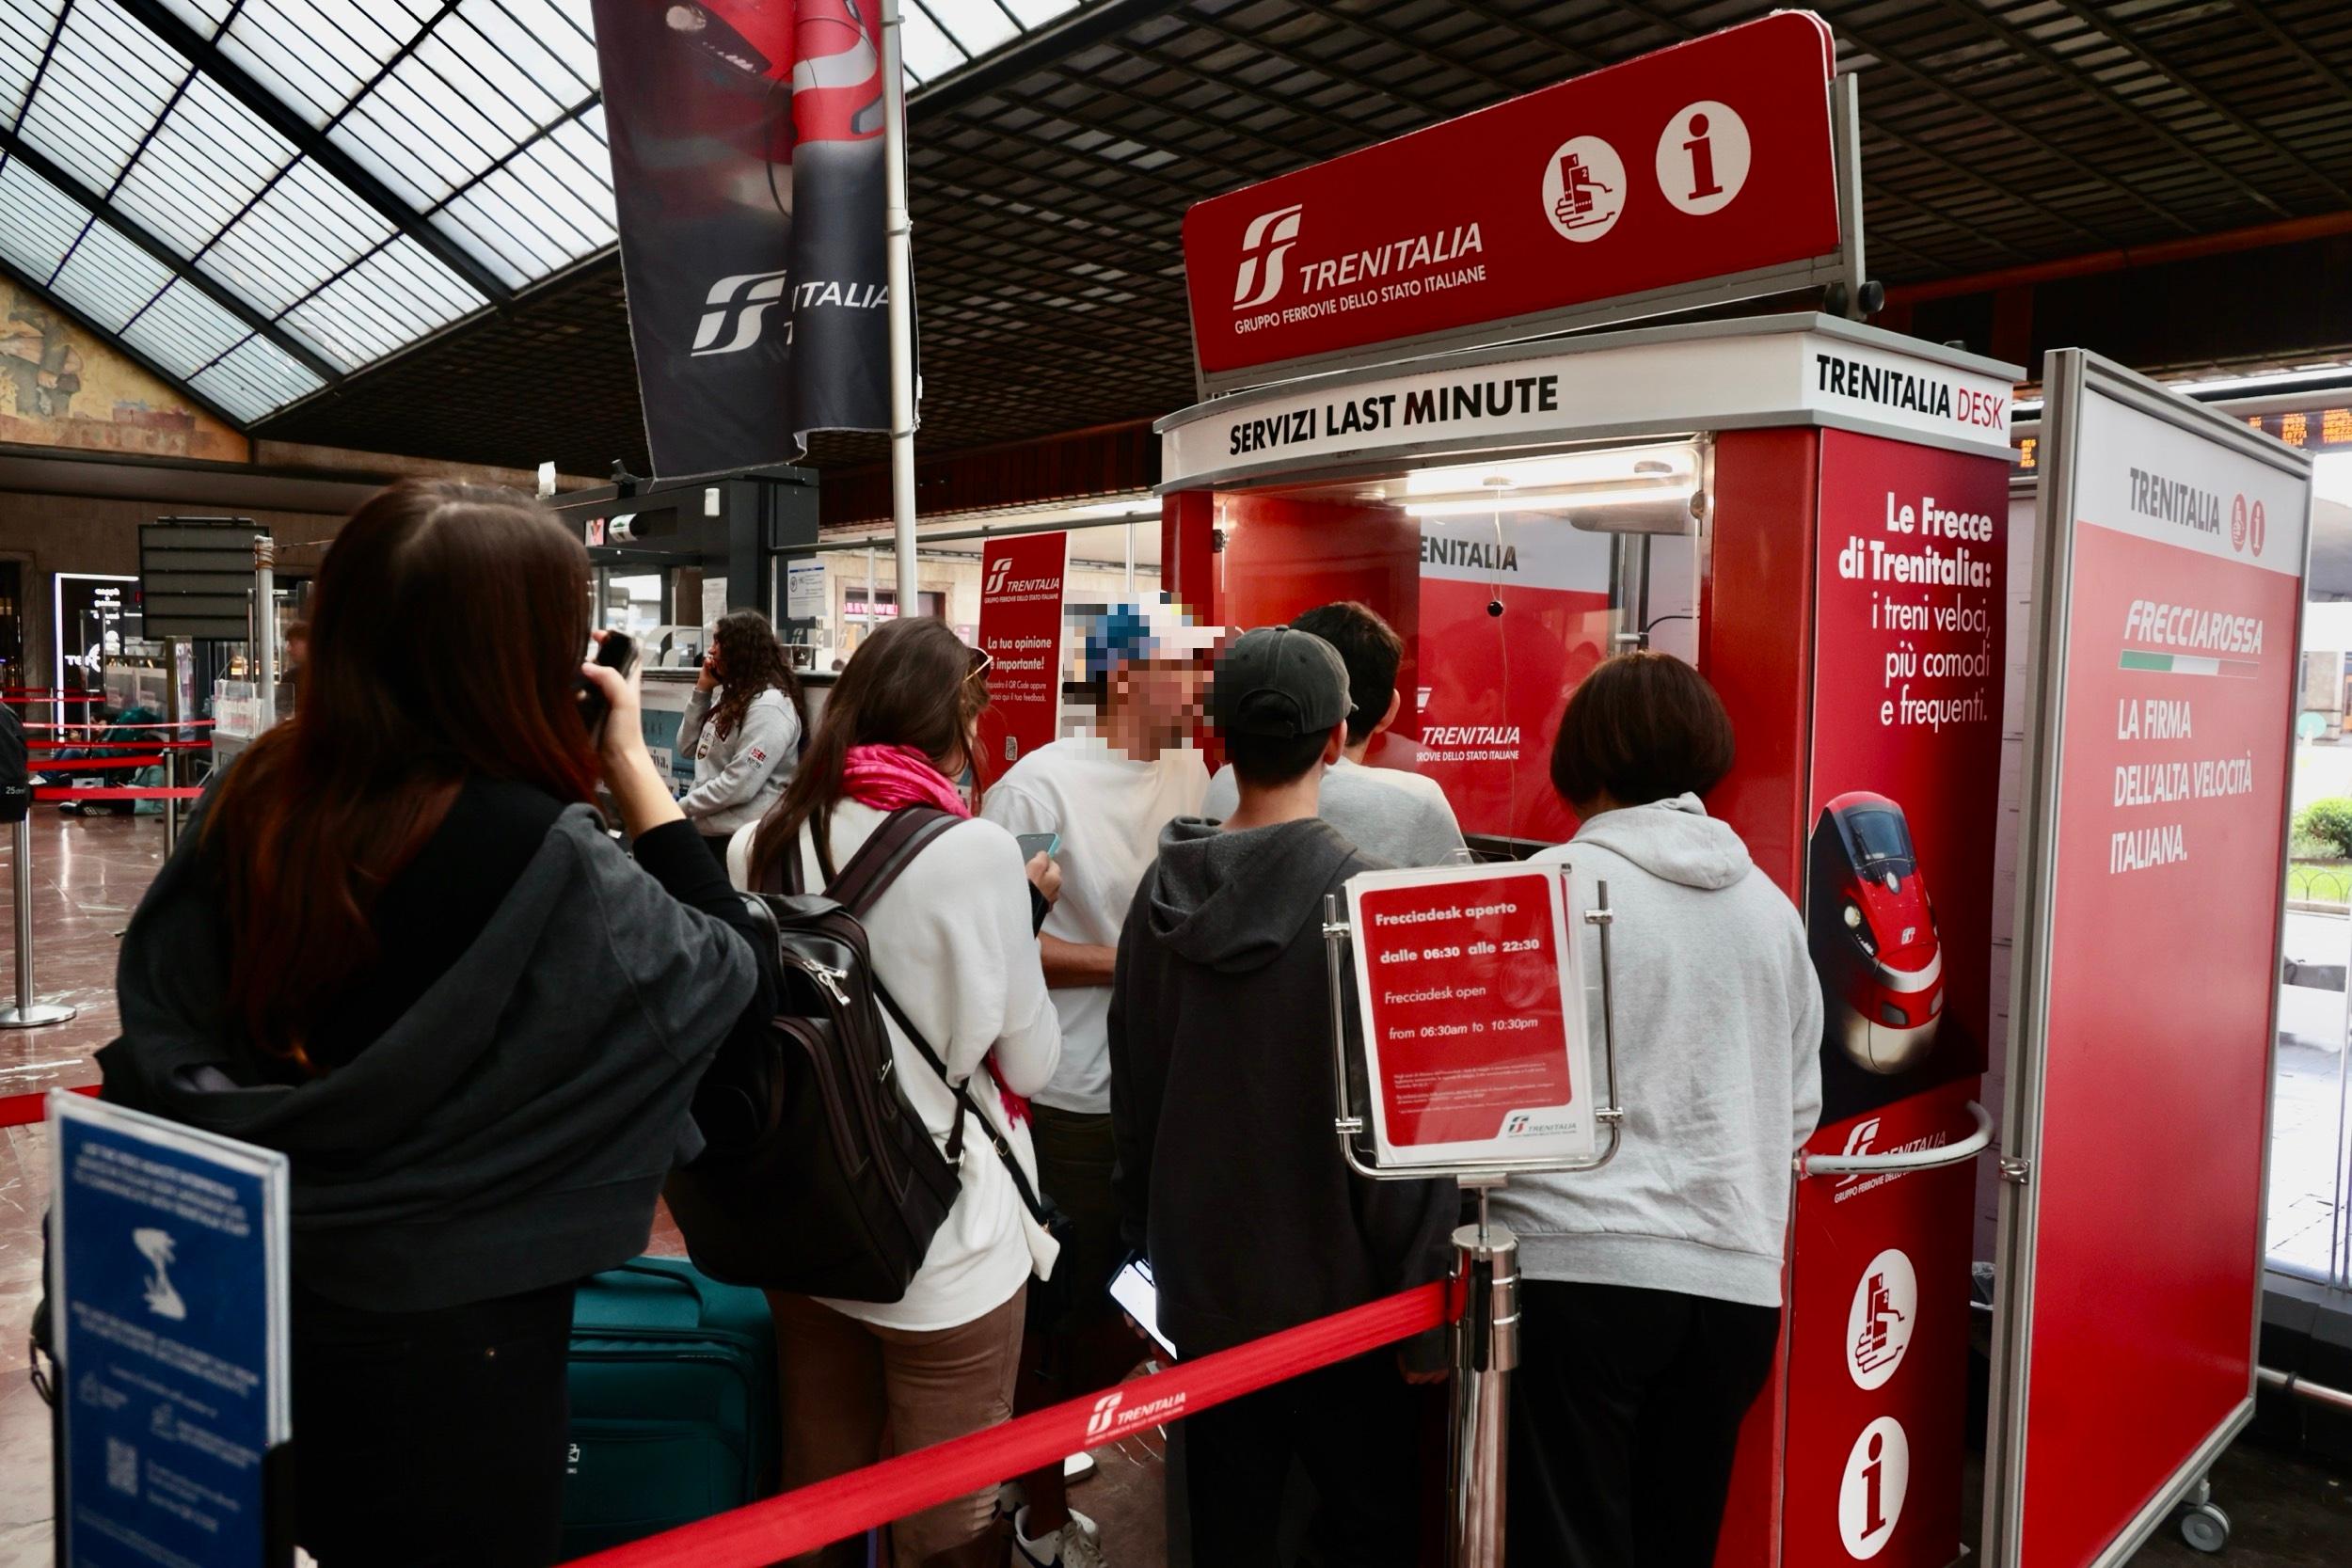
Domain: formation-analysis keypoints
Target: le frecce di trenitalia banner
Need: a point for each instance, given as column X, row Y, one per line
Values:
column 748, row 174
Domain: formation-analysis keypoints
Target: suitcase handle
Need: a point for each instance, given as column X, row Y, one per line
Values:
column 686, row 1281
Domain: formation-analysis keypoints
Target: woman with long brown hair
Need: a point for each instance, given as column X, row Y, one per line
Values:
column 953, row 943
column 399, row 946
column 744, row 727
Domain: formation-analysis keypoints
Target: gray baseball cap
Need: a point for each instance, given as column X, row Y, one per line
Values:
column 1279, row 682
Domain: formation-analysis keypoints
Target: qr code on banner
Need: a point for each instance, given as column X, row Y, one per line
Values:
column 123, row 1467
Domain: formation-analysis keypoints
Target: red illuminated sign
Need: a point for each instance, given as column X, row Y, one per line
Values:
column 1702, row 161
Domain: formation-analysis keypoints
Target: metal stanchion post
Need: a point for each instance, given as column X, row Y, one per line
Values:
column 1485, row 1350
column 27, row 1013
column 171, row 806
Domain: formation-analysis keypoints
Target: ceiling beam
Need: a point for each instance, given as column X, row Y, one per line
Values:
column 231, row 78
column 13, row 147
column 2067, row 72
column 2132, row 46
column 1901, row 62
column 1032, row 51
column 31, row 285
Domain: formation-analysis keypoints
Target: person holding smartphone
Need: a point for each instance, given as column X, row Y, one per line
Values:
column 1105, row 796
column 744, row 727
column 398, row 945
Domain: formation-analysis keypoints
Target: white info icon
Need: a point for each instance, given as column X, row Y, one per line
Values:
column 1877, row 1473
column 1703, row 157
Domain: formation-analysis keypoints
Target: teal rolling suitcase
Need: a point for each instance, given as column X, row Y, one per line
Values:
column 674, row 1403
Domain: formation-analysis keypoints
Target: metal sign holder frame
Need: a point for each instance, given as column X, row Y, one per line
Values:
column 1486, row 1269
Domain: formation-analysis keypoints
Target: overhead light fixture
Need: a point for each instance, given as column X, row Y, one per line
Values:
column 1652, row 489
column 1662, row 466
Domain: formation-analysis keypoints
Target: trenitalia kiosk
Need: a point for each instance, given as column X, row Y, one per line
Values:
column 1817, row 513
column 1813, row 511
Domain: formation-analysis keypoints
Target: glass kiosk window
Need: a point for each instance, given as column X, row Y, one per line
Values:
column 634, row 602
column 1508, row 578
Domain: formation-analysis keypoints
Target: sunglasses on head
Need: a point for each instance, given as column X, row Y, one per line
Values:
column 981, row 663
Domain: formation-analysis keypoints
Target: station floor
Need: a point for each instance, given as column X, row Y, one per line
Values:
column 88, row 877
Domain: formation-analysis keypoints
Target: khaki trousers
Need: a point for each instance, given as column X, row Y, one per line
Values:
column 855, row 1393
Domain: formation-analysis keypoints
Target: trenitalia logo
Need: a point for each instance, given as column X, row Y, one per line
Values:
column 1112, row 1417
column 1269, row 237
column 1858, row 1142
column 997, row 570
column 742, row 300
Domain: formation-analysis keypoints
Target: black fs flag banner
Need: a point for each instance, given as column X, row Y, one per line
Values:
column 747, row 168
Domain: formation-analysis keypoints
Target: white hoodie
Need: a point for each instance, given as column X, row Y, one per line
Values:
column 1719, row 1039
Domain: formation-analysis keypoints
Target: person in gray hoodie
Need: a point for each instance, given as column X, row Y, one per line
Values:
column 1651, row 1300
column 1229, row 1178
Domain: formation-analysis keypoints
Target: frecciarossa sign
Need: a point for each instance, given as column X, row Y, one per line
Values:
column 1701, row 161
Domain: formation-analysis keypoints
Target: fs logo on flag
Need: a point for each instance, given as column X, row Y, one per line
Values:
column 1269, row 237
column 998, row 570
column 743, row 299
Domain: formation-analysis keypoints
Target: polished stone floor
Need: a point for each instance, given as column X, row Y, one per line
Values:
column 88, row 875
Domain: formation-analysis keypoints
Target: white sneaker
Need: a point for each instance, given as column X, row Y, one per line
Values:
column 1076, row 1545
column 1077, row 1468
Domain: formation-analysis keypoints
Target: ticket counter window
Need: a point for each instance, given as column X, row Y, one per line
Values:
column 1508, row 579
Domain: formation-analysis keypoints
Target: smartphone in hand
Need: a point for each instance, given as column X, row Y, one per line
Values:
column 618, row 651
column 1034, row 845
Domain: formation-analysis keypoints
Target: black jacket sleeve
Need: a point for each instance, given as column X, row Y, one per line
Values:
column 674, row 855
column 1138, row 1053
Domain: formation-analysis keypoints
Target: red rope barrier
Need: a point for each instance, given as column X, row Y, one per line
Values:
column 121, row 745
column 96, row 792
column 799, row 1521
column 47, row 766
column 23, row 1110
column 142, row 724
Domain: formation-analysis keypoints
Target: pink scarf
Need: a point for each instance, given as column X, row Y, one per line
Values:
column 887, row 778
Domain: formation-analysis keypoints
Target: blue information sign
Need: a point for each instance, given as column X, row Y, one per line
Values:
column 169, row 1277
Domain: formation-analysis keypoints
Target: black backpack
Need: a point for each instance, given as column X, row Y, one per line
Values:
column 821, row 1179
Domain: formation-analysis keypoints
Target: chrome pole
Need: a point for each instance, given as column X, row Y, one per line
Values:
column 264, row 670
column 898, row 238
column 1485, row 1350
column 171, row 806
column 27, row 1013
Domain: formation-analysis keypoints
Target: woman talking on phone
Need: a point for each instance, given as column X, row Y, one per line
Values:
column 744, row 727
column 399, row 946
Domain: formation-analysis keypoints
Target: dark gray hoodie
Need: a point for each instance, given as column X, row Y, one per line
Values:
column 1230, row 1177
column 511, row 1130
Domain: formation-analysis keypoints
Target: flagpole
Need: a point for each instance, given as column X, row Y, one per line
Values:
column 900, row 239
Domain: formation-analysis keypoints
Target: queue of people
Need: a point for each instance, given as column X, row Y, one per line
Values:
column 399, row 945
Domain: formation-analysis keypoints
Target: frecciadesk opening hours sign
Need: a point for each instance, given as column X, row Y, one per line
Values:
column 1705, row 161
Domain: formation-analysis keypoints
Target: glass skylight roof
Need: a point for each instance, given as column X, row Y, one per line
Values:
column 150, row 193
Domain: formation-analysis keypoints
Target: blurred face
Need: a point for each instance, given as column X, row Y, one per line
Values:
column 1155, row 706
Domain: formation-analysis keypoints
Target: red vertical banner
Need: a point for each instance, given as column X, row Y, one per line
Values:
column 1909, row 596
column 2157, row 799
column 1021, row 632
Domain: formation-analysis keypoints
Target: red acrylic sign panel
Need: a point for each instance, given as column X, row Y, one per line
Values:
column 1465, row 1004
column 1021, row 631
column 1701, row 161
column 1909, row 600
column 2162, row 973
